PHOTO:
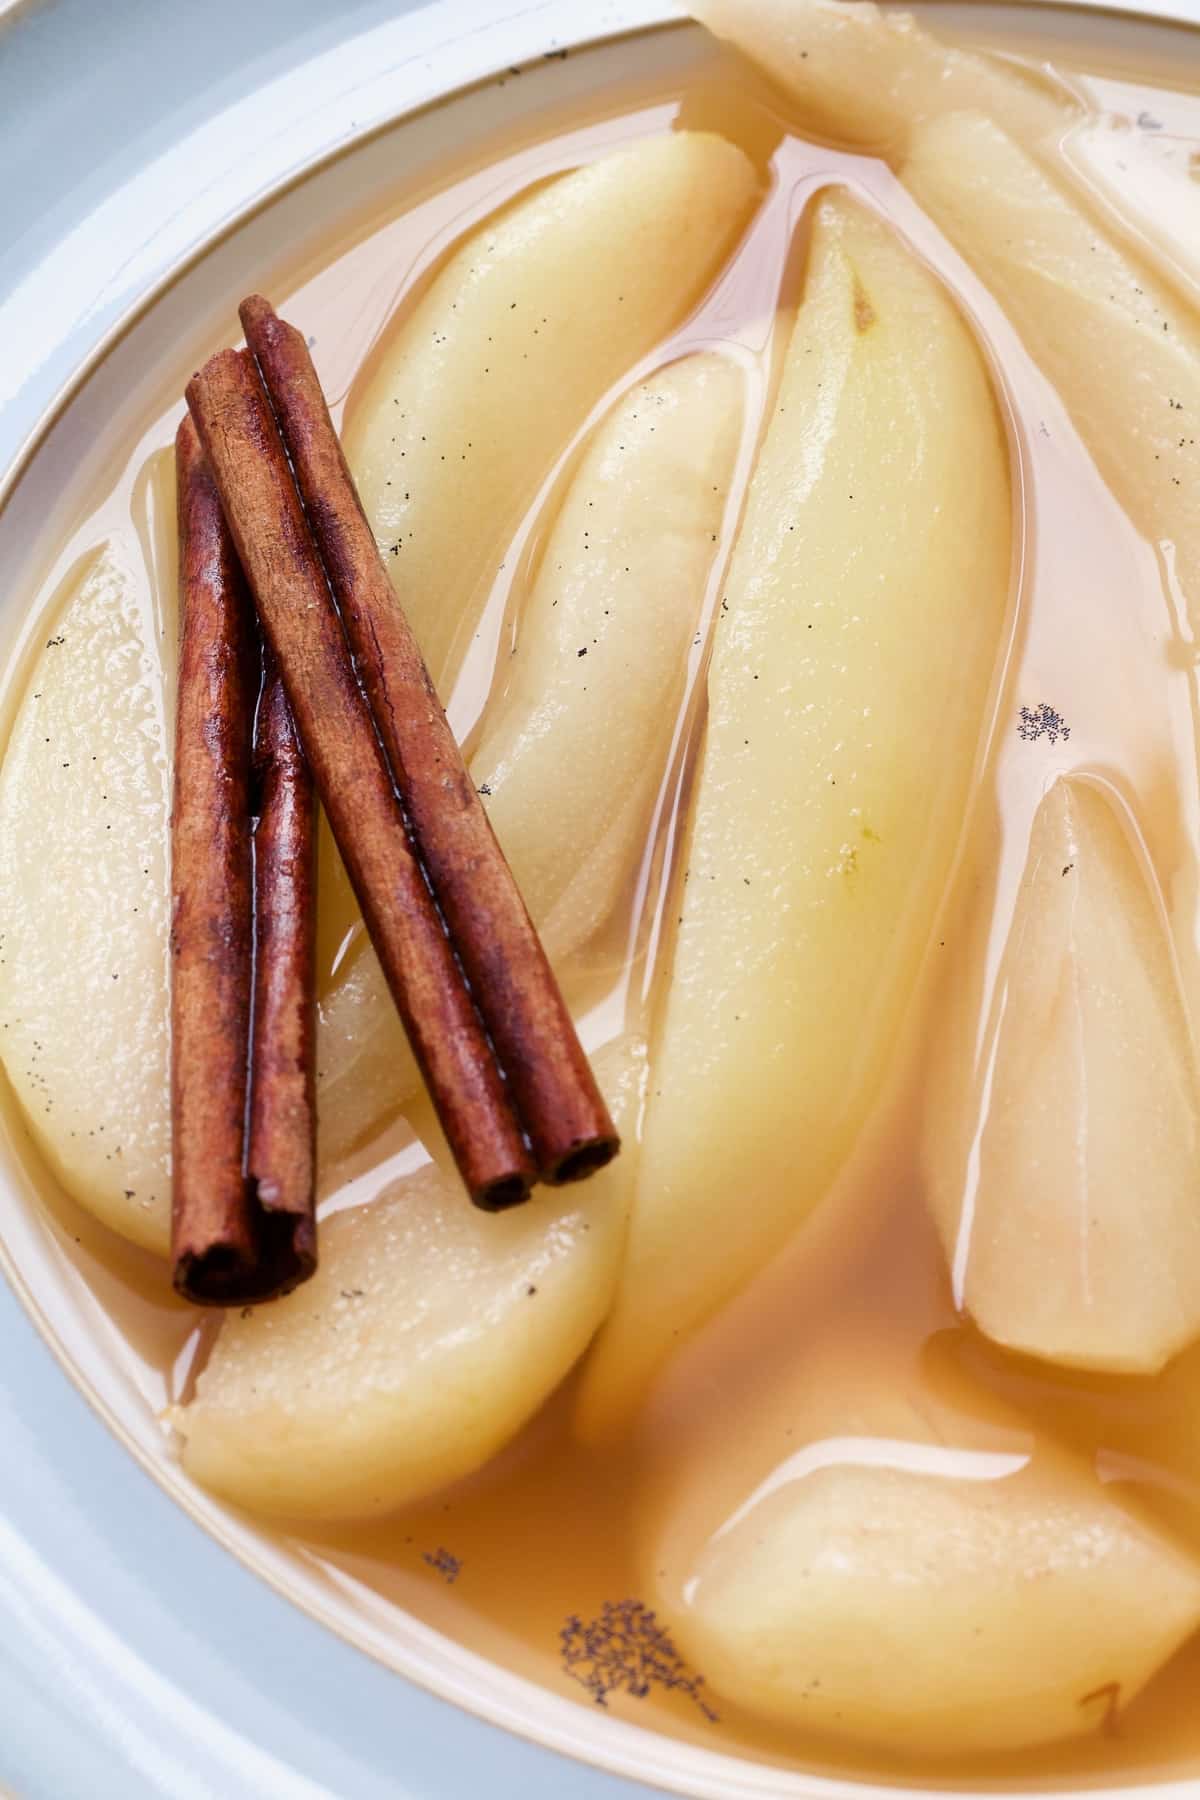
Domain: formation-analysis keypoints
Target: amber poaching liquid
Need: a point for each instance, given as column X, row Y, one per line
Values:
column 547, row 1532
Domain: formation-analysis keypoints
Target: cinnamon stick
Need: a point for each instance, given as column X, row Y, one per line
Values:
column 335, row 728
column 554, row 1090
column 211, row 875
column 232, row 1240
column 281, row 1132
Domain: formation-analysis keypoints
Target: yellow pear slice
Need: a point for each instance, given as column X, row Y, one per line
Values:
column 1148, row 180
column 863, row 76
column 430, row 1333
column 575, row 752
column 908, row 1576
column 365, row 1067
column 865, row 605
column 1064, row 1173
column 481, row 387
column 576, row 743
column 84, row 905
column 1083, row 304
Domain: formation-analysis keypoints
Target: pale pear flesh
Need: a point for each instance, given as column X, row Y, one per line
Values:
column 481, row 386
column 1118, row 344
column 365, row 1066
column 831, row 791
column 1147, row 178
column 570, row 760
column 576, row 744
column 429, row 1335
column 913, row 1579
column 1064, row 1173
column 864, row 76
column 84, row 810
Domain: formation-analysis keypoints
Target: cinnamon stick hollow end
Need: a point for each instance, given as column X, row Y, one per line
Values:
column 502, row 1193
column 582, row 1158
column 265, row 1255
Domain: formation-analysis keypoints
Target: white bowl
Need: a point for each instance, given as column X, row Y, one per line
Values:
column 166, row 159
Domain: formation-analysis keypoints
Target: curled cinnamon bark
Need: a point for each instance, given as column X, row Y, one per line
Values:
column 336, row 730
column 212, row 910
column 553, row 1088
column 281, row 1140
column 232, row 1241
